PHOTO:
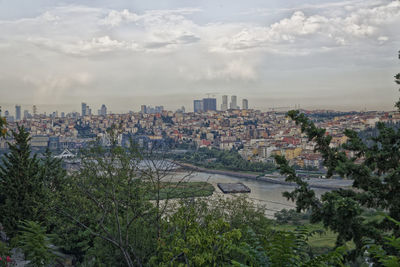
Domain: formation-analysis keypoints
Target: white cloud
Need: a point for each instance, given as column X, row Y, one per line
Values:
column 229, row 71
column 114, row 18
column 361, row 24
column 184, row 51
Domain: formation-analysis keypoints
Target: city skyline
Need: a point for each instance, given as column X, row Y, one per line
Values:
column 338, row 55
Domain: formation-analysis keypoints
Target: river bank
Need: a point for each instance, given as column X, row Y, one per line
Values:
column 329, row 184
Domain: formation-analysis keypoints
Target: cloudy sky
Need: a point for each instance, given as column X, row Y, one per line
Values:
column 316, row 53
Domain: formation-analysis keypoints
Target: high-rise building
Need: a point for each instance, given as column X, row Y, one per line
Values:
column 88, row 111
column 245, row 104
column 26, row 115
column 103, row 110
column 84, row 109
column 17, row 112
column 34, row 110
column 209, row 104
column 224, row 105
column 143, row 109
column 233, row 102
column 159, row 109
column 197, row 106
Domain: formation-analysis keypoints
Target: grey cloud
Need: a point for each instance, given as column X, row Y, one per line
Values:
column 69, row 54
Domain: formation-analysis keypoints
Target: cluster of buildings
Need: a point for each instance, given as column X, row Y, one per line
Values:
column 210, row 104
column 256, row 135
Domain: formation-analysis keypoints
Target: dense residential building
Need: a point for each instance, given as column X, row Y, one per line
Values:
column 257, row 135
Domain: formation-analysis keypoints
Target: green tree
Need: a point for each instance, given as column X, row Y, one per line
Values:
column 384, row 257
column 197, row 235
column 3, row 124
column 108, row 200
column 35, row 243
column 22, row 189
column 376, row 180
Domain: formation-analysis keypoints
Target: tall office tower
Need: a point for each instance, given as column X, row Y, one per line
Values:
column 103, row 110
column 62, row 115
column 209, row 104
column 197, row 106
column 34, row 110
column 0, row 111
column 88, row 111
column 84, row 108
column 233, row 102
column 159, row 109
column 143, row 109
column 224, row 105
column 17, row 112
column 245, row 104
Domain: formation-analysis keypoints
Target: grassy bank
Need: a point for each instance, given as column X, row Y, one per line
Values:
column 319, row 242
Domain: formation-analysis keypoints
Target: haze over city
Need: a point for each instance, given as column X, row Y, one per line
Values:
column 317, row 54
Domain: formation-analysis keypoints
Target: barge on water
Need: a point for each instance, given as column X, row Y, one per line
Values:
column 228, row 188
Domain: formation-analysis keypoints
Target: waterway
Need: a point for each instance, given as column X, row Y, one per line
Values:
column 264, row 193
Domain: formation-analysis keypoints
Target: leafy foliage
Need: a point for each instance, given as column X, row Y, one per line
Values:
column 22, row 188
column 107, row 199
column 35, row 243
column 3, row 123
column 381, row 254
column 376, row 180
column 223, row 159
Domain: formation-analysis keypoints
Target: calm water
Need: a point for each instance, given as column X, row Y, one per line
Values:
column 264, row 193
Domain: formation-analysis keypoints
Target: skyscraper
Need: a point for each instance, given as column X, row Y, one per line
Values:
column 245, row 104
column 224, row 105
column 34, row 110
column 88, row 111
column 233, row 102
column 158, row 109
column 209, row 104
column 143, row 109
column 84, row 108
column 17, row 112
column 198, row 106
column 103, row 110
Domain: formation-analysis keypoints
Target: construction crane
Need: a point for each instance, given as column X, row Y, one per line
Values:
column 210, row 94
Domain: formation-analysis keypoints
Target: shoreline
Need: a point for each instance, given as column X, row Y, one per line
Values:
column 273, row 180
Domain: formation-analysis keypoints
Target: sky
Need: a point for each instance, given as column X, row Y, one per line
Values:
column 318, row 54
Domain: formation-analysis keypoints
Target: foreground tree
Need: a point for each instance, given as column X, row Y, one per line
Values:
column 232, row 232
column 110, row 202
column 376, row 183
column 22, row 188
